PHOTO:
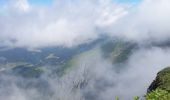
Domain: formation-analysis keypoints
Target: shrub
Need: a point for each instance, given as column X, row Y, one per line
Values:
column 157, row 94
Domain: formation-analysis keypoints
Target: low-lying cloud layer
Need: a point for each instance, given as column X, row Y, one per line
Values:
column 95, row 78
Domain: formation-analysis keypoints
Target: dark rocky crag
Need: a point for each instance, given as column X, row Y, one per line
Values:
column 162, row 81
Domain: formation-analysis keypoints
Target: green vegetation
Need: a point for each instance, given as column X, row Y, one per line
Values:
column 160, row 87
column 162, row 81
column 76, row 61
column 117, row 98
column 136, row 98
column 118, row 50
column 27, row 71
column 163, row 78
column 157, row 94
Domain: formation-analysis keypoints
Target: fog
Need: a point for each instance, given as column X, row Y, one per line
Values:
column 93, row 78
column 71, row 23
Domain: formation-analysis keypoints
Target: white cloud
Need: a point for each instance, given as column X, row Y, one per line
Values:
column 65, row 23
column 71, row 23
column 149, row 20
column 22, row 5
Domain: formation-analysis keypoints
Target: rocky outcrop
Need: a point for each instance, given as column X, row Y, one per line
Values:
column 162, row 81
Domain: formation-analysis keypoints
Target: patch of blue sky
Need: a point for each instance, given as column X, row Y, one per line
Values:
column 32, row 2
column 129, row 1
column 2, row 2
column 40, row 2
column 49, row 2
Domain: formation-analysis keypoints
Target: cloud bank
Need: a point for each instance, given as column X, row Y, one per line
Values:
column 148, row 21
column 72, row 23
column 103, row 80
column 65, row 23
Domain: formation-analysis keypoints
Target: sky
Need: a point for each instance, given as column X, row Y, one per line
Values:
column 49, row 2
column 129, row 1
column 32, row 2
column 40, row 2
column 44, row 2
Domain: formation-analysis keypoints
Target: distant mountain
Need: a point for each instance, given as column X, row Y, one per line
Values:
column 22, row 60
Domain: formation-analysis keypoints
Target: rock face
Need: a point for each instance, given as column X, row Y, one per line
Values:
column 162, row 81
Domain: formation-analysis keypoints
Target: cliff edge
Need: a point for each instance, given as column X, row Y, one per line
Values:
column 162, row 81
